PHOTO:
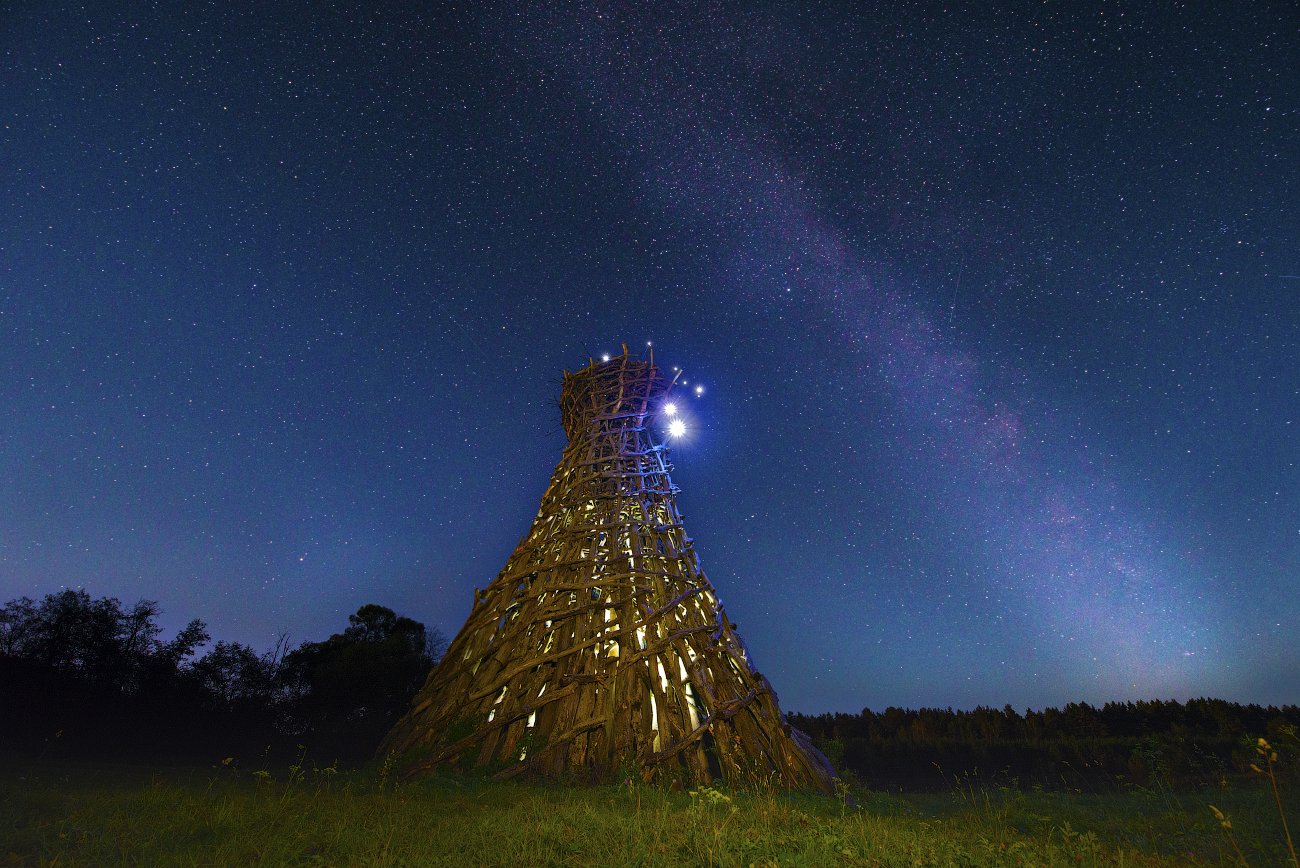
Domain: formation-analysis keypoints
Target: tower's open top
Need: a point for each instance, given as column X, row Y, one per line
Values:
column 610, row 394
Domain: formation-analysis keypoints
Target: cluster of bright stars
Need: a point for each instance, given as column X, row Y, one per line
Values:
column 676, row 427
column 676, row 424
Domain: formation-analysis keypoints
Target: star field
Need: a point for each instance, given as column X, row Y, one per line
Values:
column 988, row 321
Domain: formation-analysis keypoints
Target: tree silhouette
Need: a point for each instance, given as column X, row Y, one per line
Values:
column 351, row 688
column 91, row 671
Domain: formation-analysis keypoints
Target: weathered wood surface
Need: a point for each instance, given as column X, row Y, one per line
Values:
column 601, row 647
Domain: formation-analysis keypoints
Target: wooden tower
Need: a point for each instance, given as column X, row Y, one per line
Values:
column 601, row 648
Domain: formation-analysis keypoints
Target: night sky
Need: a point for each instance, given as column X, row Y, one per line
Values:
column 996, row 315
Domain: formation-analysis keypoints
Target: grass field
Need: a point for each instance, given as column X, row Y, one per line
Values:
column 82, row 814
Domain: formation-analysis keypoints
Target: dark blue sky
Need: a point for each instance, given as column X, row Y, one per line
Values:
column 997, row 314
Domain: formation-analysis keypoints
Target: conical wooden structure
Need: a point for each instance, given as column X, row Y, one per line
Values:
column 601, row 648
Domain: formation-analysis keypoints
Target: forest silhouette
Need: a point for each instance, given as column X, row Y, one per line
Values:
column 90, row 678
column 93, row 679
column 1160, row 743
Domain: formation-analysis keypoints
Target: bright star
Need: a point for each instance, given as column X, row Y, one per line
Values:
column 699, row 390
column 670, row 409
column 605, row 358
column 677, row 428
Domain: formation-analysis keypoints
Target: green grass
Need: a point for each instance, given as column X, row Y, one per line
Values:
column 66, row 814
